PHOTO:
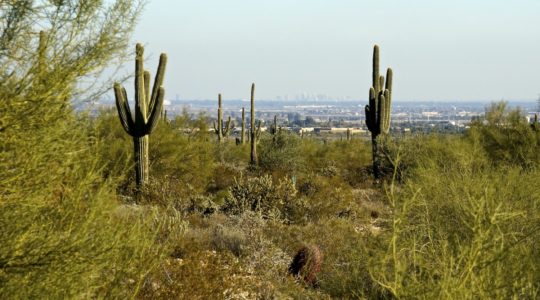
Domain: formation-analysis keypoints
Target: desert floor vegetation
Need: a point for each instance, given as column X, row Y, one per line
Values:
column 454, row 217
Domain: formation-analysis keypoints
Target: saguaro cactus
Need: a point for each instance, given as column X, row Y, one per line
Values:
column 243, row 137
column 274, row 128
column 220, row 130
column 147, row 110
column 378, row 110
column 164, row 115
column 255, row 133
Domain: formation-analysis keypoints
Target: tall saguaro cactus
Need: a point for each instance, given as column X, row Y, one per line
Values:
column 243, row 137
column 378, row 110
column 255, row 133
column 274, row 127
column 147, row 110
column 220, row 130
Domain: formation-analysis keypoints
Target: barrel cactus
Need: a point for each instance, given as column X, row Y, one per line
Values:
column 147, row 110
column 306, row 264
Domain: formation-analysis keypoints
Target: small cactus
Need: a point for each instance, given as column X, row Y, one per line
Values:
column 147, row 110
column 306, row 264
column 220, row 129
column 378, row 110
column 255, row 132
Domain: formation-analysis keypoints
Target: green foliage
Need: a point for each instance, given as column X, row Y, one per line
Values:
column 461, row 228
column 455, row 226
column 63, row 233
column 260, row 195
column 280, row 152
column 347, row 160
column 448, row 153
column 188, row 158
column 322, row 198
column 114, row 152
column 34, row 32
column 507, row 138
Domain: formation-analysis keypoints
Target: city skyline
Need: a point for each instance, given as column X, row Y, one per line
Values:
column 453, row 51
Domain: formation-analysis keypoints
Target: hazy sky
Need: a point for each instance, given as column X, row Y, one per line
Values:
column 438, row 49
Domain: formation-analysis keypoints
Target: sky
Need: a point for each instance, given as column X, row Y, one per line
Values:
column 439, row 50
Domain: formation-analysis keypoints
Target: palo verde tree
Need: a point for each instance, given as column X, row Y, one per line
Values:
column 378, row 110
column 62, row 231
column 147, row 110
column 51, row 53
column 68, row 43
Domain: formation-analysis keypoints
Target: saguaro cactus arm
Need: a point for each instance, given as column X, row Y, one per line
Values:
column 158, row 92
column 155, row 111
column 228, row 125
column 258, row 130
column 124, row 112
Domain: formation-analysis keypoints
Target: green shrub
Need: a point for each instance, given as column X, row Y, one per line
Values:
column 114, row 146
column 190, row 159
column 63, row 235
column 507, row 138
column 322, row 198
column 260, row 195
column 280, row 152
column 350, row 160
column 461, row 228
